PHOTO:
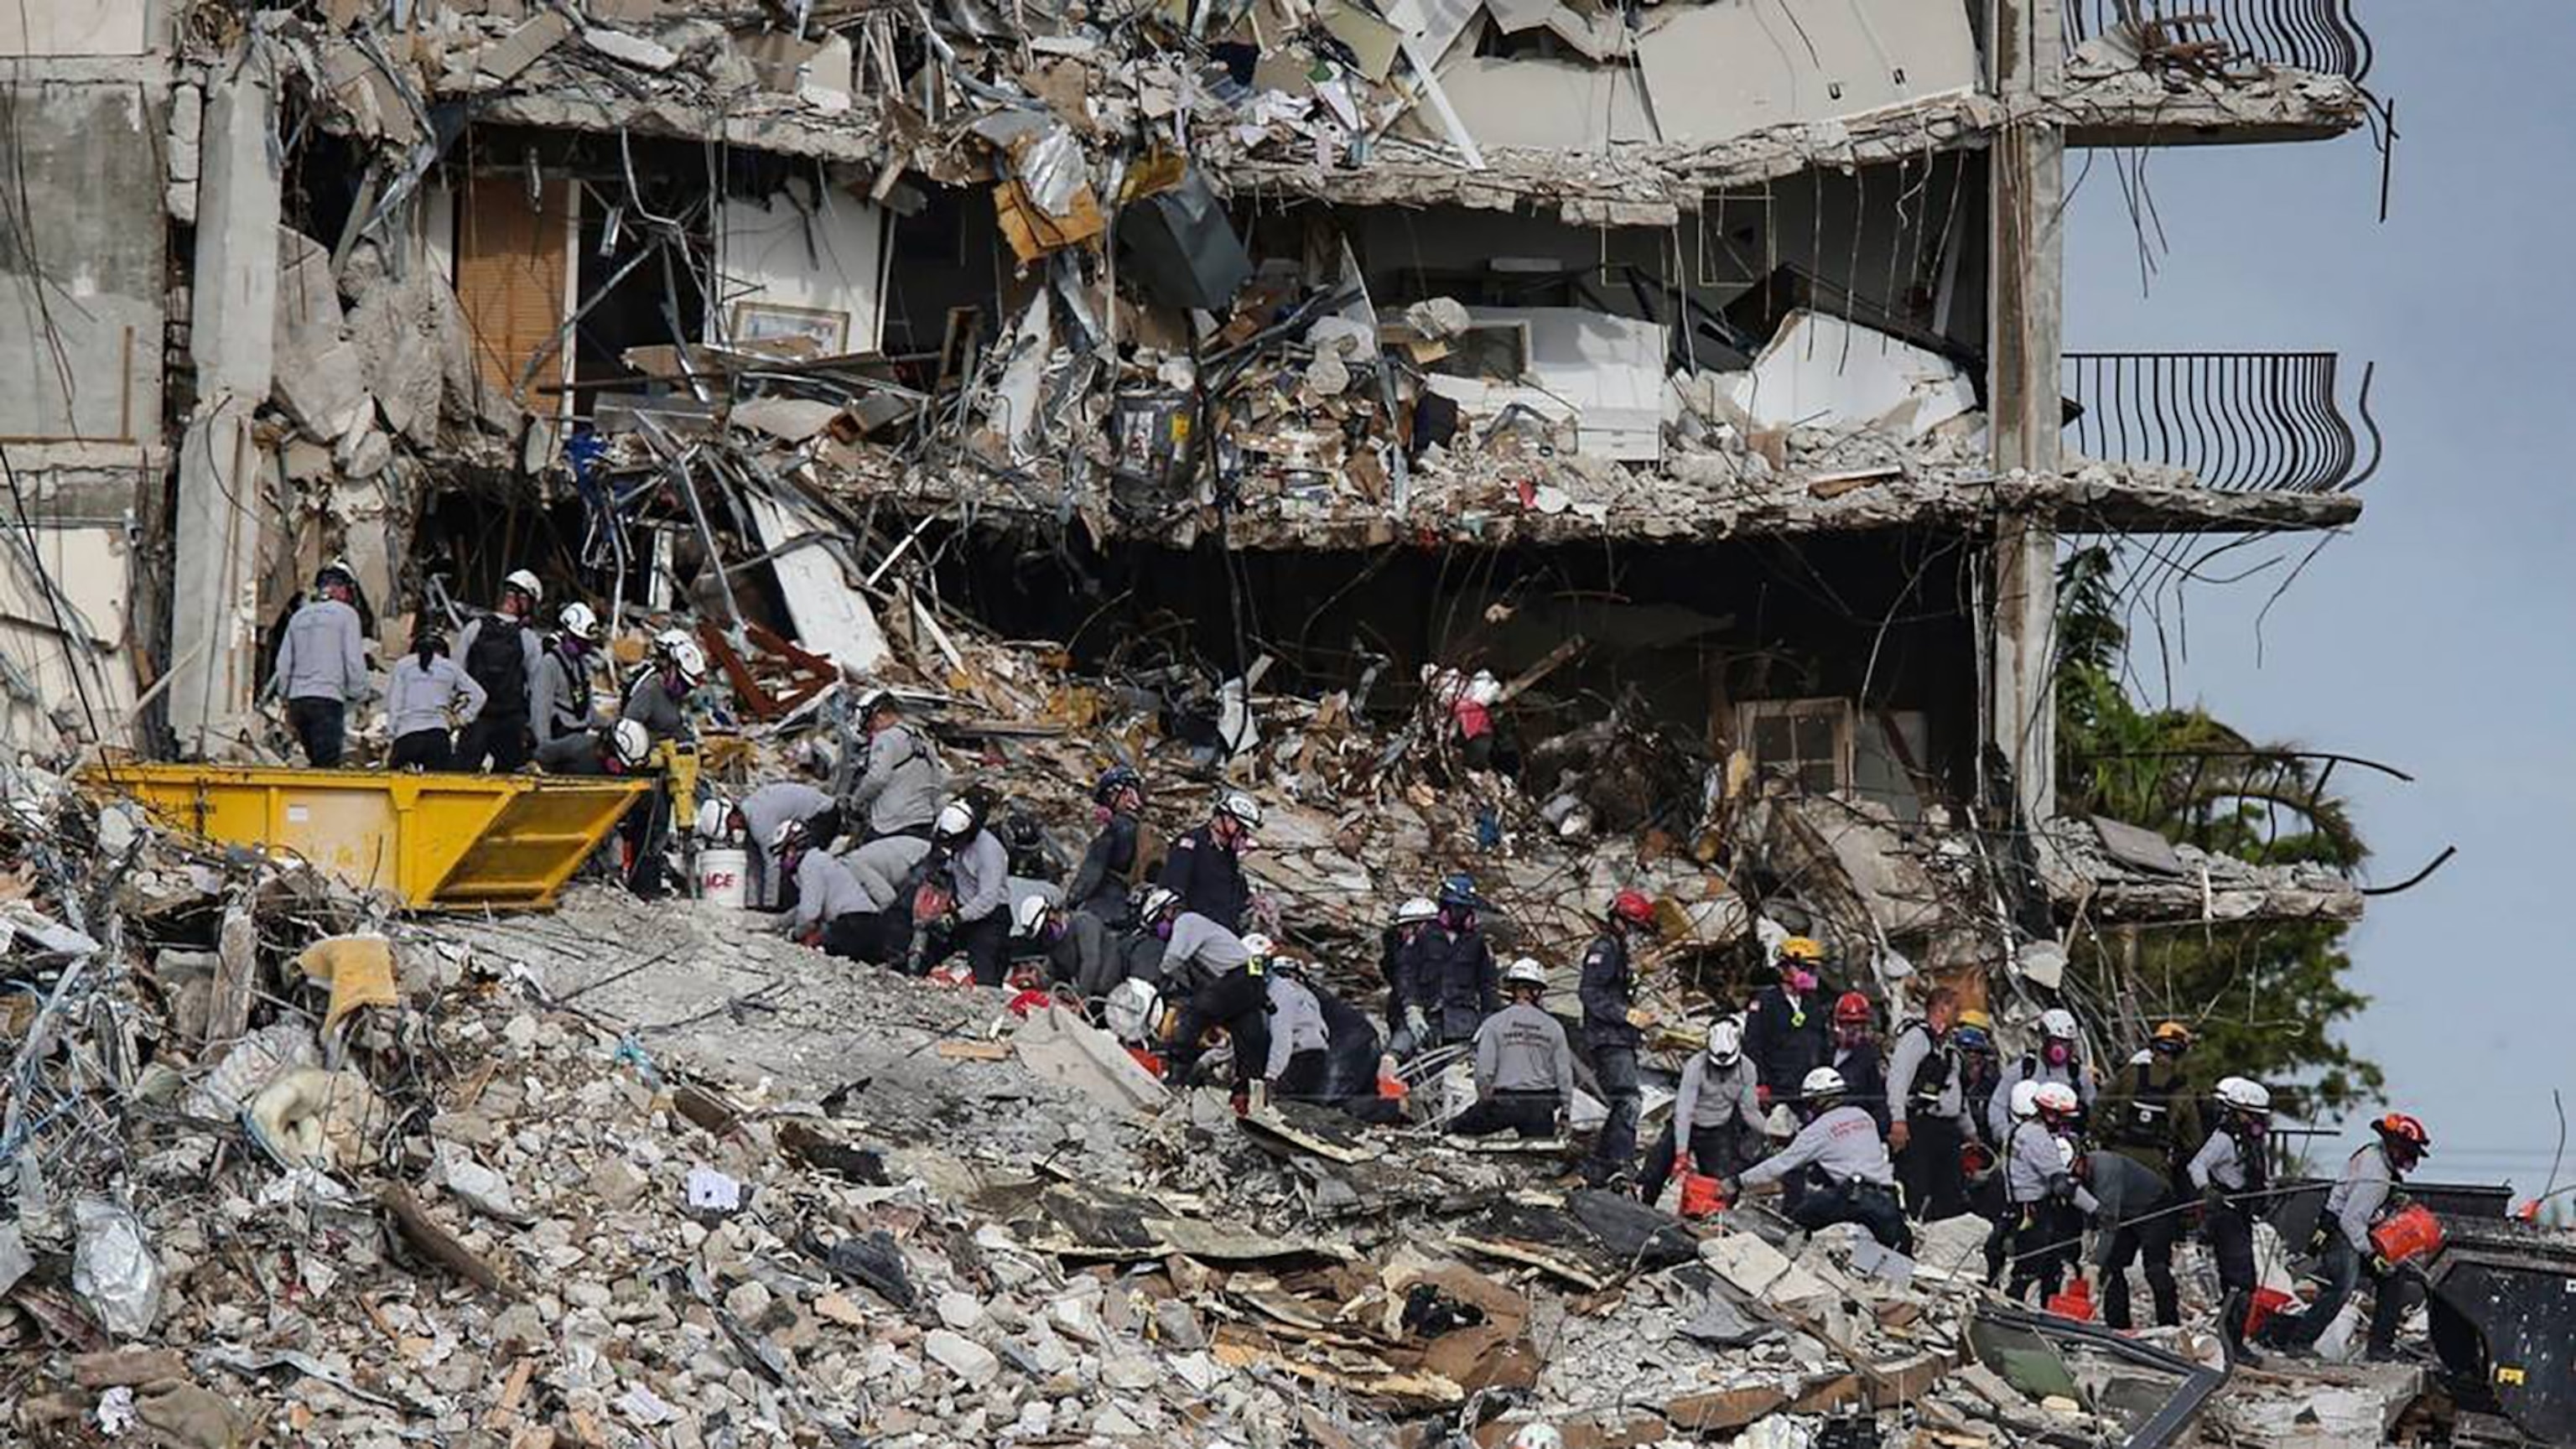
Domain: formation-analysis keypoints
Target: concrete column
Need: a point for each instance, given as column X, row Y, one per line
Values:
column 2026, row 195
column 223, row 472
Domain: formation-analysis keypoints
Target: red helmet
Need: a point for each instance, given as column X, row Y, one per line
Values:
column 1851, row 1009
column 1632, row 907
column 2399, row 1130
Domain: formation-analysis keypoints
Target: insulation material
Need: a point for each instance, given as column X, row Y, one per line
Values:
column 1824, row 372
column 830, row 616
column 1603, row 373
column 1787, row 62
column 799, row 267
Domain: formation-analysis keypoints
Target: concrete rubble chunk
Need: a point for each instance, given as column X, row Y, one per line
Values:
column 962, row 1356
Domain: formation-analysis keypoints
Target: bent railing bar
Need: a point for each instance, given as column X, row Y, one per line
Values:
column 2239, row 421
column 2317, row 35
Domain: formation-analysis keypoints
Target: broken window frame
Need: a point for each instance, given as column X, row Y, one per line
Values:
column 1750, row 715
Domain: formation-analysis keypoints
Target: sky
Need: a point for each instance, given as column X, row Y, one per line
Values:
column 2434, row 635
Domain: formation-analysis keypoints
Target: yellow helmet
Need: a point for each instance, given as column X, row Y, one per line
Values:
column 1802, row 948
column 1978, row 1019
column 2171, row 1036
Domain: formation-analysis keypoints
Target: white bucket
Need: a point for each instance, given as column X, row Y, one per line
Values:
column 724, row 877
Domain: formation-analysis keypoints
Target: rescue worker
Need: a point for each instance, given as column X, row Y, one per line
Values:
column 1842, row 1162
column 1236, row 1003
column 899, row 790
column 1714, row 1111
column 2138, row 1217
column 2231, row 1173
column 758, row 816
column 560, row 704
column 1411, row 919
column 1115, row 861
column 1078, row 948
column 500, row 650
column 322, row 667
column 1857, row 1057
column 1446, row 977
column 1980, row 1069
column 1785, row 1030
column 832, row 913
column 979, row 870
column 2148, row 1110
column 1194, row 948
column 426, row 697
column 2059, row 1058
column 2354, row 1205
column 1300, row 1040
column 1927, row 1110
column 654, row 699
column 619, row 749
column 1613, row 1028
column 1205, row 868
column 2045, row 1205
column 1524, row 1066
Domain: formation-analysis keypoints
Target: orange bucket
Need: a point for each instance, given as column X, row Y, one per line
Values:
column 1701, row 1196
column 2411, row 1232
column 2075, row 1302
column 2267, row 1304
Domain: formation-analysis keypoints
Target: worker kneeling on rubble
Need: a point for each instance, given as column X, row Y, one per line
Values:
column 1237, row 1004
column 2363, row 1197
column 831, row 912
column 1446, row 976
column 2045, row 1205
column 978, row 915
column 1524, row 1065
column 1844, row 1162
column 1079, row 952
column 754, row 820
column 2231, row 1172
column 1300, row 1043
column 1716, row 1108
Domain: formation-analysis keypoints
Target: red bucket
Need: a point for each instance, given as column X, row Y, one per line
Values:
column 1701, row 1196
column 2411, row 1232
column 2267, row 1304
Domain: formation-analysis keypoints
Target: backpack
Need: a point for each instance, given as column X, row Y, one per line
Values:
column 498, row 661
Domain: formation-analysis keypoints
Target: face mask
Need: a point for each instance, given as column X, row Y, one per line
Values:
column 1100, row 814
column 1163, row 930
column 2058, row 1053
column 1800, row 980
column 1852, row 1036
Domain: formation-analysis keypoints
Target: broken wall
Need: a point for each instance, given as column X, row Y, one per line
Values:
column 93, row 27
column 807, row 263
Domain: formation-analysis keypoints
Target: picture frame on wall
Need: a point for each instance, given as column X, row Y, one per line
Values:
column 824, row 329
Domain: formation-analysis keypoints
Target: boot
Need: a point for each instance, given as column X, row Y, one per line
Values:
column 2168, row 1300
column 2115, row 1300
column 2231, row 1331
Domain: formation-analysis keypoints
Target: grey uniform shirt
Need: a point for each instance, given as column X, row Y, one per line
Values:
column 1713, row 1096
column 651, row 705
column 773, row 805
column 825, row 891
column 1913, row 1052
column 532, row 651
column 1200, row 950
column 560, row 703
column 322, row 655
column 2360, row 1193
column 418, row 699
column 900, row 789
column 1522, row 1049
column 2034, row 1166
column 1843, row 1143
column 2125, row 1187
column 2219, row 1162
column 983, row 874
column 1999, row 1106
column 1296, row 1023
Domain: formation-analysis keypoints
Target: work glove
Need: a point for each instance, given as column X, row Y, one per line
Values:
column 2380, row 1267
column 1898, row 1134
column 1418, row 1024
column 1640, row 1018
column 2212, row 1198
column 1762, row 1097
column 1731, row 1188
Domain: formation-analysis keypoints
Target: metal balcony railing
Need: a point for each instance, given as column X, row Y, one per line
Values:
column 2240, row 421
column 2215, row 35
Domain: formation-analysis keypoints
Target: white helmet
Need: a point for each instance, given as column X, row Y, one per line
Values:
column 715, row 818
column 1158, row 900
column 1726, row 1041
column 1029, row 914
column 877, row 699
column 526, row 583
column 632, row 743
column 2025, row 1101
column 1242, row 807
column 785, row 834
column 1416, row 911
column 683, row 653
column 1483, row 688
column 2057, row 1024
column 1527, row 971
column 578, row 621
column 956, row 818
column 1258, row 946
column 2055, row 1099
column 2244, row 1094
column 1823, row 1082
column 1284, row 964
column 1536, row 1436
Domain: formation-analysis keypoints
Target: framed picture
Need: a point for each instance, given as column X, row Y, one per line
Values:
column 826, row 331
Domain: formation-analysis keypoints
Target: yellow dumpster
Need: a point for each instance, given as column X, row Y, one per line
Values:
column 437, row 841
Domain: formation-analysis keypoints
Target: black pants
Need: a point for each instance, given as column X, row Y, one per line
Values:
column 987, row 944
column 1871, row 1206
column 1531, row 1114
column 646, row 831
column 498, row 743
column 2047, row 1239
column 1614, row 1150
column 2343, row 1267
column 1302, row 1079
column 319, row 727
column 1929, row 1168
column 2154, row 1239
column 2230, row 1233
column 856, row 936
column 425, row 750
column 1715, row 1151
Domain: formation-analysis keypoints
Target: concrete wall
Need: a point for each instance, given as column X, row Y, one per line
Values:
column 81, row 292
column 826, row 257
column 78, row 27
